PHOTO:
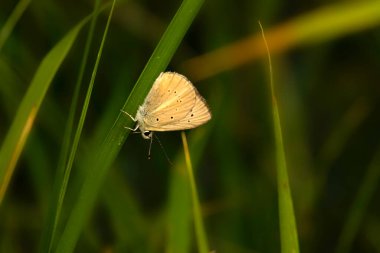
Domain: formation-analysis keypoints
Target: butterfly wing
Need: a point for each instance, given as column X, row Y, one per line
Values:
column 197, row 116
column 173, row 103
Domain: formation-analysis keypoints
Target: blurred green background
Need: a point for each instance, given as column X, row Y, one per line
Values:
column 326, row 65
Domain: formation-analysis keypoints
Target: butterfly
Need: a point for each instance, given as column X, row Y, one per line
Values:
column 172, row 104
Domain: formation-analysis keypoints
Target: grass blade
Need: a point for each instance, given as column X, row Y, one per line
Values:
column 288, row 228
column 178, row 209
column 30, row 104
column 109, row 148
column 12, row 20
column 324, row 24
column 198, row 222
column 67, row 158
column 359, row 205
column 179, row 202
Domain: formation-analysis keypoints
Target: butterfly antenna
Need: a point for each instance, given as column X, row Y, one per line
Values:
column 162, row 147
column 150, row 147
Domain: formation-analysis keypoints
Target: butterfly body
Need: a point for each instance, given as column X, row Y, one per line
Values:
column 173, row 103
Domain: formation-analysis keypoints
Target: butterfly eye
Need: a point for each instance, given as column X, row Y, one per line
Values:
column 148, row 134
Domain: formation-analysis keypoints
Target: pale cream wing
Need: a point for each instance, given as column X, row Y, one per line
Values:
column 171, row 98
column 169, row 90
column 197, row 116
column 180, row 107
column 161, row 91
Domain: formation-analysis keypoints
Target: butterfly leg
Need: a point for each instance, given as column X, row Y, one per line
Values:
column 133, row 129
column 132, row 118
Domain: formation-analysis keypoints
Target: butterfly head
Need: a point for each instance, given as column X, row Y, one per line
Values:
column 147, row 134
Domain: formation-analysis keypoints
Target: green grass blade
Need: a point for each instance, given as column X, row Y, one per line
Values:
column 359, row 205
column 12, row 21
column 179, row 210
column 340, row 135
column 198, row 221
column 163, row 52
column 336, row 20
column 83, row 114
column 288, row 228
column 28, row 109
column 65, row 161
column 129, row 224
column 179, row 214
column 109, row 148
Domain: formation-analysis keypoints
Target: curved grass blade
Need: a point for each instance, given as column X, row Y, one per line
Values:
column 198, row 221
column 107, row 151
column 66, row 160
column 288, row 228
column 324, row 24
column 179, row 216
column 179, row 210
column 30, row 104
column 359, row 206
column 12, row 20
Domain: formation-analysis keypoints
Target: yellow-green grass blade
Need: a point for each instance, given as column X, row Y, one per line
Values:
column 324, row 24
column 30, row 104
column 106, row 152
column 288, row 228
column 197, row 213
column 7, row 29
column 179, row 209
column 10, row 96
column 179, row 200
